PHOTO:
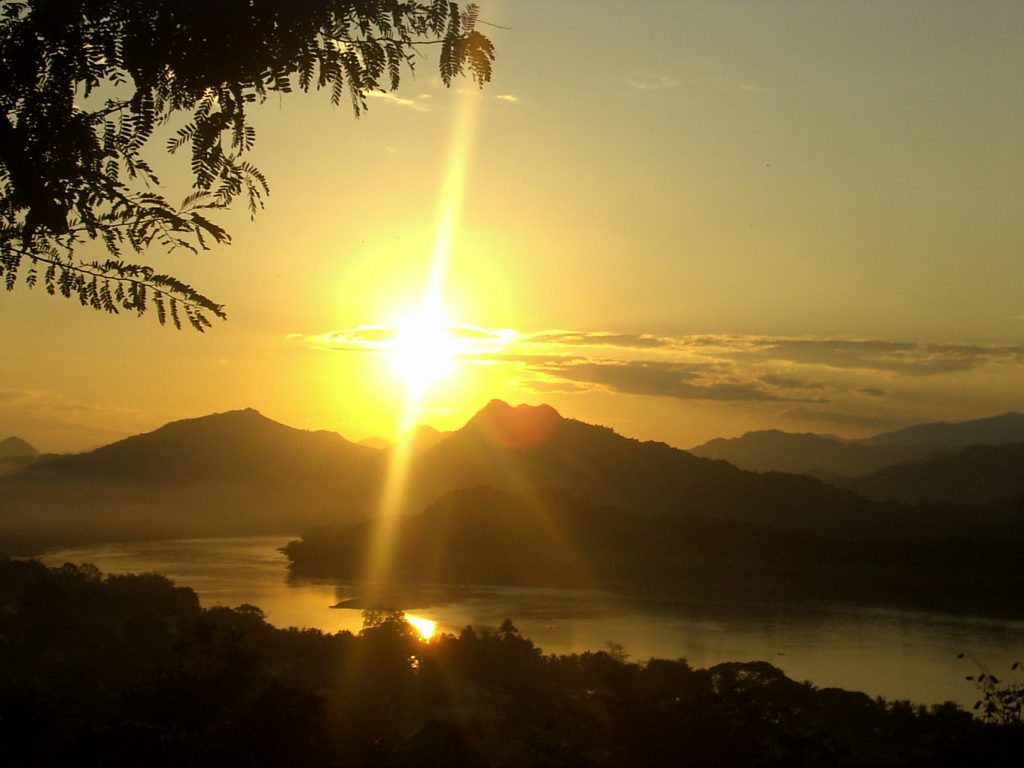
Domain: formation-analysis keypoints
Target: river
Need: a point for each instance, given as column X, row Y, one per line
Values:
column 897, row 654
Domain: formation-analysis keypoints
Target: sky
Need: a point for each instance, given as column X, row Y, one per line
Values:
column 682, row 220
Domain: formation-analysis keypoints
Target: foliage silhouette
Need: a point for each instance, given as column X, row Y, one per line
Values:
column 126, row 670
column 1001, row 703
column 84, row 87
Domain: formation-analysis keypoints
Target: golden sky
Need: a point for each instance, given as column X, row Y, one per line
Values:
column 681, row 220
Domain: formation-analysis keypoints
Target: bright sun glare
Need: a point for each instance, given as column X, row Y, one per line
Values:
column 425, row 627
column 424, row 349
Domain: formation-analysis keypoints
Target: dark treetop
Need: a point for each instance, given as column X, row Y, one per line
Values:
column 84, row 85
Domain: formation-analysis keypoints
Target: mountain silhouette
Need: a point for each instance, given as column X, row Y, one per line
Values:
column 809, row 454
column 525, row 448
column 222, row 446
column 15, row 447
column 240, row 473
column 994, row 430
column 15, row 455
column 831, row 459
column 224, row 474
column 985, row 475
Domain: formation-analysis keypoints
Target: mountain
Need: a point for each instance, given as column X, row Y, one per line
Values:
column 15, row 447
column 241, row 444
column 986, row 475
column 224, row 474
column 240, row 473
column 995, row 430
column 16, row 454
column 424, row 437
column 808, row 454
column 526, row 447
column 827, row 457
column 481, row 535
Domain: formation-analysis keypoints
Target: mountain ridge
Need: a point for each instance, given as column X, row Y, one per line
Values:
column 830, row 458
column 239, row 472
column 991, row 430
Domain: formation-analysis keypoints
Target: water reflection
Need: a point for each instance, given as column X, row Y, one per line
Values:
column 896, row 654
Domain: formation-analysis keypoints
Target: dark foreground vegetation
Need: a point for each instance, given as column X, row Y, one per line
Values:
column 130, row 670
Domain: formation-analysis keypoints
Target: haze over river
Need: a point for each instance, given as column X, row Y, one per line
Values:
column 884, row 652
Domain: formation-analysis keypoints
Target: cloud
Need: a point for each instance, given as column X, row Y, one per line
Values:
column 721, row 83
column 507, row 97
column 871, row 391
column 910, row 358
column 680, row 381
column 555, row 386
column 399, row 101
column 651, row 81
column 788, row 382
column 569, row 338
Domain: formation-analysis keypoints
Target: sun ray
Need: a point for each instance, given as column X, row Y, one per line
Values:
column 426, row 327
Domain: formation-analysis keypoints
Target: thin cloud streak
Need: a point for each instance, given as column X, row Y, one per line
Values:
column 651, row 81
column 398, row 101
column 672, row 380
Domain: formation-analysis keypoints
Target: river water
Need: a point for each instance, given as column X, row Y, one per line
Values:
column 892, row 653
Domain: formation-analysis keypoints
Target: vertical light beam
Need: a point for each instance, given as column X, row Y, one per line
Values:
column 381, row 554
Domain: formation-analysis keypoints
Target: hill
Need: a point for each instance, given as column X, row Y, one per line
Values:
column 553, row 539
column 832, row 459
column 236, row 445
column 808, row 454
column 15, row 454
column 12, row 447
column 224, row 474
column 525, row 447
column 981, row 475
column 995, row 430
column 240, row 473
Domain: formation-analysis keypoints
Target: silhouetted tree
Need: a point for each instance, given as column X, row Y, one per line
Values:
column 84, row 85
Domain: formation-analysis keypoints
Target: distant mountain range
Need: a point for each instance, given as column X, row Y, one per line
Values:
column 239, row 472
column 826, row 457
column 995, row 430
column 981, row 475
column 523, row 495
column 809, row 454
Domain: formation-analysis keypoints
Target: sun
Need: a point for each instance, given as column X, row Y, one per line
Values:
column 424, row 350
